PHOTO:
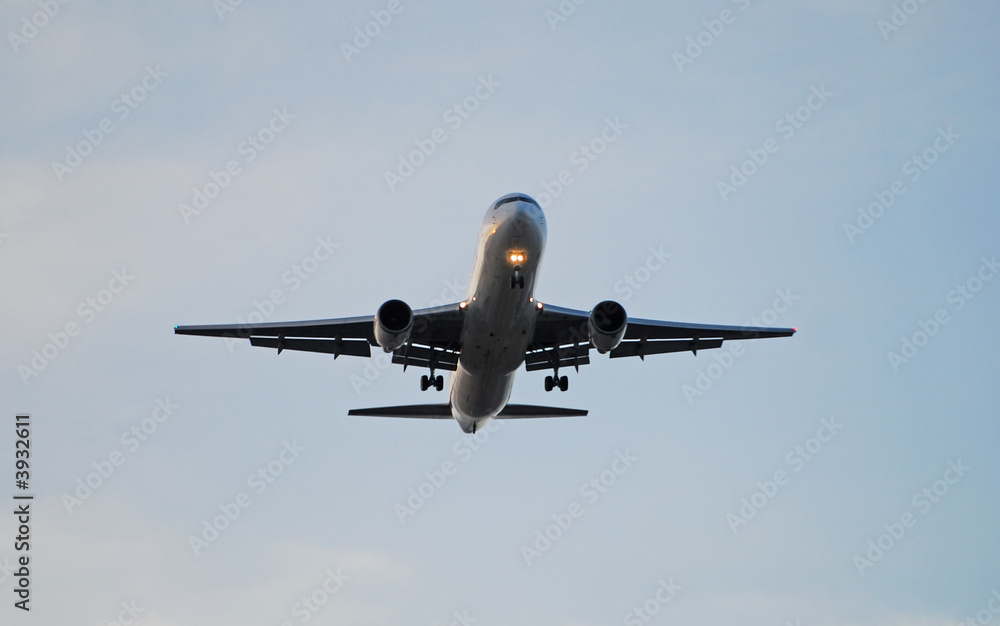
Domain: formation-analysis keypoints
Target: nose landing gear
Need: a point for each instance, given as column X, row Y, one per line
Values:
column 517, row 281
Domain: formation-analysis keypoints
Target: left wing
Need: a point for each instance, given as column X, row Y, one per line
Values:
column 434, row 340
column 562, row 338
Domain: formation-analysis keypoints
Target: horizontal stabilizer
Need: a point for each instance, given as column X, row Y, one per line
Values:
column 443, row 411
column 421, row 411
column 513, row 411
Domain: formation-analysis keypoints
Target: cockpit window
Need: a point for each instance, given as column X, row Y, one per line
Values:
column 516, row 198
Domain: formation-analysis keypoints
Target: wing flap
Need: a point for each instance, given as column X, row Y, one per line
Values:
column 570, row 361
column 412, row 361
column 419, row 356
column 351, row 347
column 642, row 348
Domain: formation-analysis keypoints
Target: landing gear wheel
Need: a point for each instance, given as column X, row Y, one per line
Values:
column 548, row 383
column 439, row 382
column 425, row 383
column 563, row 384
column 517, row 281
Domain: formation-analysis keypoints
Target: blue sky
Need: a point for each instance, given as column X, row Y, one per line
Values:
column 830, row 225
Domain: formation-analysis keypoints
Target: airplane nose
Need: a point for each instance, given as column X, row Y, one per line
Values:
column 527, row 211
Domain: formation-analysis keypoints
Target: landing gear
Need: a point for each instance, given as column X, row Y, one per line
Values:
column 551, row 382
column 517, row 281
column 426, row 382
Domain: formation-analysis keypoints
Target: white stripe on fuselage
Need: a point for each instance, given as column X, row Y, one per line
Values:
column 499, row 320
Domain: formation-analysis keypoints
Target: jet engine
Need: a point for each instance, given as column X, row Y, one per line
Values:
column 607, row 325
column 393, row 324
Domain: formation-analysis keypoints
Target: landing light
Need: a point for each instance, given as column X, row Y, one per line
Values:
column 516, row 257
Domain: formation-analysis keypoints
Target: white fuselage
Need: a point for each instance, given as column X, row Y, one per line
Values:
column 499, row 315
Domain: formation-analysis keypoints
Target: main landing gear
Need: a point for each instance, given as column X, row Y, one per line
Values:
column 426, row 382
column 551, row 382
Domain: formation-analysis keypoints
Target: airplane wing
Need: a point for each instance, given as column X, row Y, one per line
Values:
column 434, row 340
column 562, row 338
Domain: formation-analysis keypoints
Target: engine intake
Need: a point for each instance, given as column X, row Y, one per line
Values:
column 607, row 325
column 393, row 324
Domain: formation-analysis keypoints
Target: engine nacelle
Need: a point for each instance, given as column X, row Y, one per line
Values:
column 607, row 325
column 393, row 324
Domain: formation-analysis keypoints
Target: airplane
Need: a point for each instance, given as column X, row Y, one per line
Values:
column 485, row 338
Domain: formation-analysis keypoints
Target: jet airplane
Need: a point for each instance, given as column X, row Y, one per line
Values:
column 485, row 338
